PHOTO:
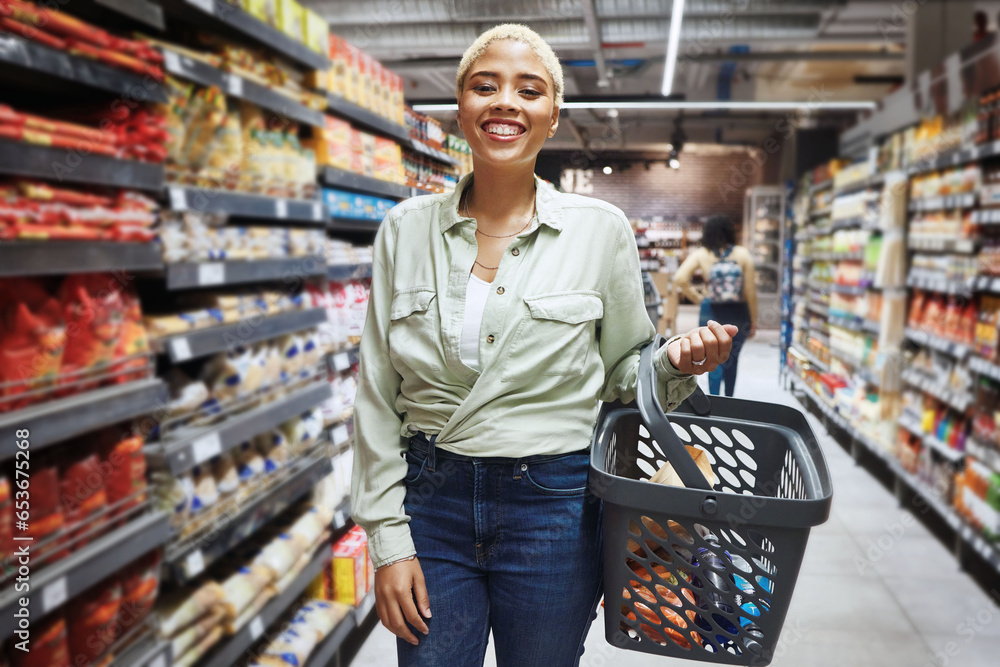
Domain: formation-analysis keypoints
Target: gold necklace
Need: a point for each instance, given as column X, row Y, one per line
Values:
column 493, row 236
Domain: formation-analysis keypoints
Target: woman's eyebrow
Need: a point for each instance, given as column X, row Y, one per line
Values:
column 522, row 75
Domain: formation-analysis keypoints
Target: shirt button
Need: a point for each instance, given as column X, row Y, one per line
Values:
column 515, row 252
column 490, row 338
column 499, row 290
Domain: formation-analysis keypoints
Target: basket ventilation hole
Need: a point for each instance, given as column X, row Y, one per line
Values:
column 729, row 477
column 721, row 436
column 761, row 541
column 645, row 450
column 710, row 455
column 748, row 478
column 633, row 528
column 765, row 565
column 725, row 624
column 657, row 448
column 638, row 570
column 740, row 563
column 643, row 432
column 646, row 467
column 681, row 432
column 742, row 438
column 746, row 460
column 702, row 435
column 725, row 457
column 738, row 540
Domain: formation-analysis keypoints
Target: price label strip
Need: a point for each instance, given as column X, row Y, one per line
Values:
column 206, row 447
column 54, row 595
column 211, row 273
column 180, row 349
column 256, row 627
column 194, row 563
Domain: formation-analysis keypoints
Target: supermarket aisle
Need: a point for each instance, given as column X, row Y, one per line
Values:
column 876, row 589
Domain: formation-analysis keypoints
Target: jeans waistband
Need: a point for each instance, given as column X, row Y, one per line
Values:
column 426, row 444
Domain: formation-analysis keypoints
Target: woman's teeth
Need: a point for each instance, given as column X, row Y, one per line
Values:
column 505, row 130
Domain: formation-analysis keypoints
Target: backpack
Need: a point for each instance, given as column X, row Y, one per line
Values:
column 725, row 280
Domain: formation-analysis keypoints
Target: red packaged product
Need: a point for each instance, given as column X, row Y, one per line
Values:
column 6, row 527
column 93, row 617
column 140, row 582
column 124, row 465
column 93, row 309
column 133, row 340
column 49, row 645
column 83, row 496
column 32, row 338
column 31, row 32
column 46, row 516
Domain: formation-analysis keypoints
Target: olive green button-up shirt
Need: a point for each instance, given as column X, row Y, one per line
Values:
column 562, row 330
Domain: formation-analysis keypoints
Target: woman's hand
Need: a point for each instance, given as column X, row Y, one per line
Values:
column 710, row 346
column 399, row 591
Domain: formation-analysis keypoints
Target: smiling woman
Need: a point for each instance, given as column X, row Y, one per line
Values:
column 500, row 316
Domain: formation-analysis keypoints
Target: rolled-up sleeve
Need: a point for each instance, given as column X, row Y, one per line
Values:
column 377, row 490
column 626, row 328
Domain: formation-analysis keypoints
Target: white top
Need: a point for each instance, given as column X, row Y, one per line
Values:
column 475, row 303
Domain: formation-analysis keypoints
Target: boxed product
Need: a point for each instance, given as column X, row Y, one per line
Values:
column 350, row 567
column 290, row 18
column 352, row 205
column 314, row 30
column 265, row 10
column 332, row 143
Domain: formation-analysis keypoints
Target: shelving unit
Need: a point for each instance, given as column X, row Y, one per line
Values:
column 46, row 162
column 246, row 205
column 338, row 178
column 186, row 275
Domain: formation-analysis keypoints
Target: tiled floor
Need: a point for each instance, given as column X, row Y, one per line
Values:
column 876, row 589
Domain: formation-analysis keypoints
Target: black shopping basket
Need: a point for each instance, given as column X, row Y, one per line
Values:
column 704, row 572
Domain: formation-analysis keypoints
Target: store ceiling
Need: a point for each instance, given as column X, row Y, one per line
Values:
column 770, row 50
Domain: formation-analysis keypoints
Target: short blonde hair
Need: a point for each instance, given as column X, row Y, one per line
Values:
column 518, row 33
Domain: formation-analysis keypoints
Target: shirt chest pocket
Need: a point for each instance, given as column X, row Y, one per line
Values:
column 414, row 340
column 556, row 335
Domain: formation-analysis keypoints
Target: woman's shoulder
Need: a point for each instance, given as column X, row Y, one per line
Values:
column 581, row 209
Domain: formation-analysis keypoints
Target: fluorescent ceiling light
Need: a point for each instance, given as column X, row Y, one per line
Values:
column 855, row 105
column 673, row 43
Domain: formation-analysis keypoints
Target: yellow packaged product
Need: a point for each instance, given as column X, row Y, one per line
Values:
column 339, row 66
column 352, row 91
column 376, row 98
column 290, row 18
column 314, row 30
column 265, row 10
column 318, row 79
column 364, row 79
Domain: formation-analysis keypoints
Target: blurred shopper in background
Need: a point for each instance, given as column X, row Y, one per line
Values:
column 481, row 350
column 730, row 293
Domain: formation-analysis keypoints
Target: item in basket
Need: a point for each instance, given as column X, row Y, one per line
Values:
column 668, row 476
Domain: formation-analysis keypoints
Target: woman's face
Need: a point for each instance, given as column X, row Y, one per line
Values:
column 507, row 108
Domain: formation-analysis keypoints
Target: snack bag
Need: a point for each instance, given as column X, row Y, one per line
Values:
column 32, row 338
column 94, row 312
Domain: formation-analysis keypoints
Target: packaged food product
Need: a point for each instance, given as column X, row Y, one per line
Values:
column 93, row 311
column 240, row 589
column 126, row 465
column 83, row 496
column 292, row 645
column 49, row 644
column 206, row 494
column 187, row 606
column 349, row 569
column 278, row 556
column 194, row 654
column 92, row 621
column 250, row 463
column 32, row 338
column 194, row 633
column 6, row 527
column 140, row 583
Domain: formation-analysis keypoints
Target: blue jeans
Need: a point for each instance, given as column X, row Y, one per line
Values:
column 726, row 313
column 508, row 545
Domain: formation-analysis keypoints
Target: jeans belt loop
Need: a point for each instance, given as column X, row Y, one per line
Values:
column 431, row 459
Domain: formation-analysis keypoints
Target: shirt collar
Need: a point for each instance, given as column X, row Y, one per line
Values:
column 546, row 205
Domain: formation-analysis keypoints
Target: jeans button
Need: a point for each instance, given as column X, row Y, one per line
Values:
column 524, row 467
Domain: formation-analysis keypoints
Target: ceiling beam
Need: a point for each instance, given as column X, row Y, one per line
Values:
column 594, row 33
column 797, row 55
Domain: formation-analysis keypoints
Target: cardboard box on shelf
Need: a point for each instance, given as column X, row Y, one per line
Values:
column 290, row 18
column 264, row 10
column 349, row 567
column 332, row 143
column 314, row 30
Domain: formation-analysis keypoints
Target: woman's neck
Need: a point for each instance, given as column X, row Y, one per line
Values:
column 499, row 195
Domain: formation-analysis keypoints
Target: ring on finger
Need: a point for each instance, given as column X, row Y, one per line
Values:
column 699, row 363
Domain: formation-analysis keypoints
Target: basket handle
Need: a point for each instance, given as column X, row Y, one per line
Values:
column 659, row 426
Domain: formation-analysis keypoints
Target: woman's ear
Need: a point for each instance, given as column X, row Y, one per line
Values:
column 555, row 122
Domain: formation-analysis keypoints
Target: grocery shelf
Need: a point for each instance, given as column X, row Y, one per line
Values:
column 54, row 584
column 342, row 515
column 220, row 17
column 186, row 275
column 986, row 216
column 29, row 56
column 839, row 256
column 985, row 284
column 964, row 534
column 227, row 336
column 949, row 347
column 143, row 11
column 939, row 390
column 190, row 445
column 69, row 166
column 979, row 365
column 340, row 178
column 855, row 290
column 366, row 119
column 860, row 370
column 818, row 308
column 872, row 181
column 822, row 185
column 239, row 87
column 344, row 359
column 341, row 435
column 58, row 258
column 913, row 426
column 190, row 559
column 818, row 285
column 348, row 271
column 245, row 205
column 324, row 653
column 433, row 153
column 941, row 244
column 364, row 608
column 337, row 224
column 63, row 418
column 987, row 456
column 854, row 324
column 821, row 212
column 943, row 203
column 956, row 157
column 229, row 651
column 938, row 283
column 811, row 358
column 148, row 653
column 856, row 222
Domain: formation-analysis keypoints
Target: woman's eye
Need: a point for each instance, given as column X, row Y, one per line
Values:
column 531, row 93
column 483, row 88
